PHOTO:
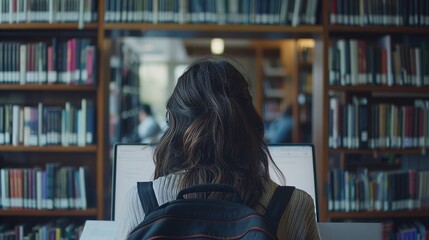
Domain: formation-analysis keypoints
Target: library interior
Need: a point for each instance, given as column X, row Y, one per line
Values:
column 348, row 78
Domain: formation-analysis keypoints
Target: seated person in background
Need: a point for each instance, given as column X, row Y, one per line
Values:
column 147, row 130
column 215, row 135
column 280, row 130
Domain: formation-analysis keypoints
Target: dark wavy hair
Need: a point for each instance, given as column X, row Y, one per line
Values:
column 214, row 133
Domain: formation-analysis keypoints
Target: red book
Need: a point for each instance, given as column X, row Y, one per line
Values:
column 333, row 12
column 412, row 196
column 362, row 62
column 73, row 61
column 51, row 74
column 12, row 188
column 19, row 188
column 90, row 64
column 69, row 62
column 29, row 60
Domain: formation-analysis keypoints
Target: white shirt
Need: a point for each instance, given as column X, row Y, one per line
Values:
column 148, row 129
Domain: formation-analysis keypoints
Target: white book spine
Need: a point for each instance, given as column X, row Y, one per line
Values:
column 84, row 122
column 11, row 12
column 27, row 126
column 347, row 192
column 4, row 187
column 51, row 11
column 1, row 12
column 39, row 189
column 82, row 187
column 80, row 128
column 81, row 16
column 15, row 125
column 23, row 64
column 64, row 126
column 77, row 199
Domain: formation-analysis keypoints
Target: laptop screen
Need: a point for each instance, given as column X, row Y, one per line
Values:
column 134, row 162
column 297, row 163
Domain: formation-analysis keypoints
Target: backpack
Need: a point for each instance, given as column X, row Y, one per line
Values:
column 197, row 218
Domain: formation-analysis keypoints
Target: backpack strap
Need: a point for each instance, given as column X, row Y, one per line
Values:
column 278, row 203
column 147, row 196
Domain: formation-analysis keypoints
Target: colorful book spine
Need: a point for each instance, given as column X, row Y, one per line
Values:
column 56, row 187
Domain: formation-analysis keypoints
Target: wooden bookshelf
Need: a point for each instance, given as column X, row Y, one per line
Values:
column 379, row 215
column 47, row 87
column 379, row 150
column 92, row 156
column 338, row 29
column 52, row 149
column 322, row 33
column 48, row 213
column 324, row 92
column 393, row 89
column 47, row 26
column 215, row 28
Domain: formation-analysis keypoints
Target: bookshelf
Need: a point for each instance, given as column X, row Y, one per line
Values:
column 323, row 33
column 124, row 93
column 32, row 159
column 304, row 72
column 279, row 85
column 351, row 158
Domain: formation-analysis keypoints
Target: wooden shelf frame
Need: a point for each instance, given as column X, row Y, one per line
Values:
column 46, row 26
column 309, row 29
column 340, row 29
column 322, row 33
column 421, row 151
column 47, row 87
column 379, row 215
column 51, row 149
column 370, row 88
column 49, row 213
column 94, row 153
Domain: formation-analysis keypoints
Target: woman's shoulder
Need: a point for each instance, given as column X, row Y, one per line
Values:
column 166, row 187
column 299, row 197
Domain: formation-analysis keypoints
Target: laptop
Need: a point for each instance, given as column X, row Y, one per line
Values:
column 131, row 163
column 134, row 162
column 297, row 163
column 350, row 230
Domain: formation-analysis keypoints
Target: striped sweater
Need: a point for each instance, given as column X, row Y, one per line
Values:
column 297, row 222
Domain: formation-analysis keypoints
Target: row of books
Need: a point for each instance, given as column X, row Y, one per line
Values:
column 273, row 67
column 383, row 125
column 306, row 81
column 56, row 187
column 124, row 96
column 377, row 191
column 305, row 54
column 50, row 11
column 61, row 229
column 70, row 61
column 47, row 125
column 407, row 230
column 274, row 88
column 380, row 12
column 271, row 109
column 284, row 12
column 354, row 62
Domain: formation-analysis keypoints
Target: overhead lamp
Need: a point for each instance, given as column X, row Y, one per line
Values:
column 217, row 45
